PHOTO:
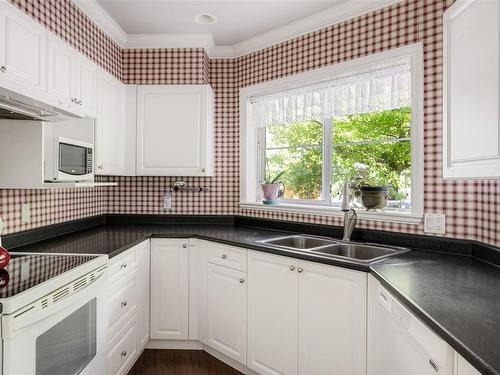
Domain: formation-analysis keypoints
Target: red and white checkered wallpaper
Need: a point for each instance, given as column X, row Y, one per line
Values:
column 471, row 207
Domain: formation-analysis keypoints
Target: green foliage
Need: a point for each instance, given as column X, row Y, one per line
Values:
column 275, row 179
column 386, row 163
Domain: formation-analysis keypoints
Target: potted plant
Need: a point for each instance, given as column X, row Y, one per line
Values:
column 272, row 188
column 373, row 191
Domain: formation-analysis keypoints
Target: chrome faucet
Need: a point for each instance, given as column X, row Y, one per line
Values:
column 350, row 215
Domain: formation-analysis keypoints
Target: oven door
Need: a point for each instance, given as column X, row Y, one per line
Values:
column 67, row 337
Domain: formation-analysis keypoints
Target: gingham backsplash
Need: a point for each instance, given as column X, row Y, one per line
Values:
column 472, row 208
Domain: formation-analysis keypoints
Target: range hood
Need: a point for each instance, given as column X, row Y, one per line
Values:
column 14, row 106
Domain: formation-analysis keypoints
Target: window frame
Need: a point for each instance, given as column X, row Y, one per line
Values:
column 252, row 163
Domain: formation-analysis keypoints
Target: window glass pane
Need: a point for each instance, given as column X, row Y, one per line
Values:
column 298, row 134
column 377, row 164
column 302, row 171
column 381, row 125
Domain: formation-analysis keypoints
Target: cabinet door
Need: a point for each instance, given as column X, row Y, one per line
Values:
column 272, row 314
column 60, row 73
column 169, row 289
column 110, row 126
column 471, row 87
column 22, row 52
column 86, row 85
column 174, row 130
column 143, row 272
column 331, row 320
column 462, row 367
column 227, row 311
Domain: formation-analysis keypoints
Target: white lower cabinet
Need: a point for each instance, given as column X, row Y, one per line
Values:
column 305, row 318
column 128, row 307
column 272, row 314
column 462, row 367
column 226, row 311
column 169, row 289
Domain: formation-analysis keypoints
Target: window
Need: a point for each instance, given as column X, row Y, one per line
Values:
column 357, row 121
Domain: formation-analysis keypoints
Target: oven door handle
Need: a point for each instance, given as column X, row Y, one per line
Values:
column 15, row 323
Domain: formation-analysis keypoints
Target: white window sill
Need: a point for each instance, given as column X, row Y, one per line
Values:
column 390, row 216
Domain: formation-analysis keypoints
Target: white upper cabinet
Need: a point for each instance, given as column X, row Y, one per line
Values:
column 471, row 90
column 110, row 126
column 60, row 72
column 22, row 52
column 85, row 85
column 174, row 130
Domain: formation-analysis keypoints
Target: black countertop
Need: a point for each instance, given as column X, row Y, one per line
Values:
column 458, row 296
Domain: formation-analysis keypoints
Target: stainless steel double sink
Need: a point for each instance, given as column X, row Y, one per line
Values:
column 360, row 252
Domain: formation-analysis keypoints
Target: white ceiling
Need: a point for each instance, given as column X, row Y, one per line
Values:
column 237, row 20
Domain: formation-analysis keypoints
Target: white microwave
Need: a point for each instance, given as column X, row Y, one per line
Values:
column 71, row 161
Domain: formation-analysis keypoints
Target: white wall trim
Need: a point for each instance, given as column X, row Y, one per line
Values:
column 102, row 19
column 248, row 134
column 328, row 17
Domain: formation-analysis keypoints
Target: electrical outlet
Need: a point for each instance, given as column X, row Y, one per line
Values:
column 25, row 213
column 167, row 200
column 435, row 223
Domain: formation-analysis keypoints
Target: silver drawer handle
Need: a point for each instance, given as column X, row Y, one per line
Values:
column 242, row 281
column 224, row 256
column 124, row 265
column 124, row 303
column 292, row 268
column 124, row 353
column 3, row 69
column 299, row 270
column 184, row 245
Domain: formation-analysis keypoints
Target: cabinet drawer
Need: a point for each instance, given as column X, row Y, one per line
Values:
column 227, row 256
column 123, row 353
column 122, row 265
column 122, row 306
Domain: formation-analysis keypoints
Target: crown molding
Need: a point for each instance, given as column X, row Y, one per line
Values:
column 102, row 19
column 328, row 17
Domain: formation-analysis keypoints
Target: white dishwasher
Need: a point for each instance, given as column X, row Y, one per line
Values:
column 398, row 342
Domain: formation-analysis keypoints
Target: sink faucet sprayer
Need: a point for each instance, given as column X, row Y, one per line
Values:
column 350, row 216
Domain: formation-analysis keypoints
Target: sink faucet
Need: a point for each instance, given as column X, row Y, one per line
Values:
column 350, row 216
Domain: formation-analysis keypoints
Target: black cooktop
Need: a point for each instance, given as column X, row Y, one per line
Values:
column 25, row 271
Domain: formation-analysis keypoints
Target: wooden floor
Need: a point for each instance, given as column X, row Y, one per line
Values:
column 179, row 362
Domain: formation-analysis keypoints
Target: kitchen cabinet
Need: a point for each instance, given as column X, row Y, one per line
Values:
column 128, row 307
column 331, row 320
column 324, row 306
column 174, row 130
column 398, row 342
column 85, row 85
column 60, row 72
column 462, row 367
column 143, row 273
column 110, row 126
column 272, row 314
column 169, row 289
column 22, row 52
column 471, row 127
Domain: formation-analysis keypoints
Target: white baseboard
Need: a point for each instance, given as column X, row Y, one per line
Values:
column 175, row 344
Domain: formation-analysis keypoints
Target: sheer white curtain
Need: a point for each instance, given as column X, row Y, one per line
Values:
column 377, row 89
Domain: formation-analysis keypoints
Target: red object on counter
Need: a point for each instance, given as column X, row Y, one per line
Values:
column 4, row 257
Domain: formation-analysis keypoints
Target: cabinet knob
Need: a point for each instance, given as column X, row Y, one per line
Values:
column 124, row 303
column 99, row 166
column 292, row 268
column 203, row 169
column 434, row 365
column 299, row 270
column 124, row 353
column 242, row 281
column 184, row 245
column 223, row 256
column 124, row 265
column 3, row 69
